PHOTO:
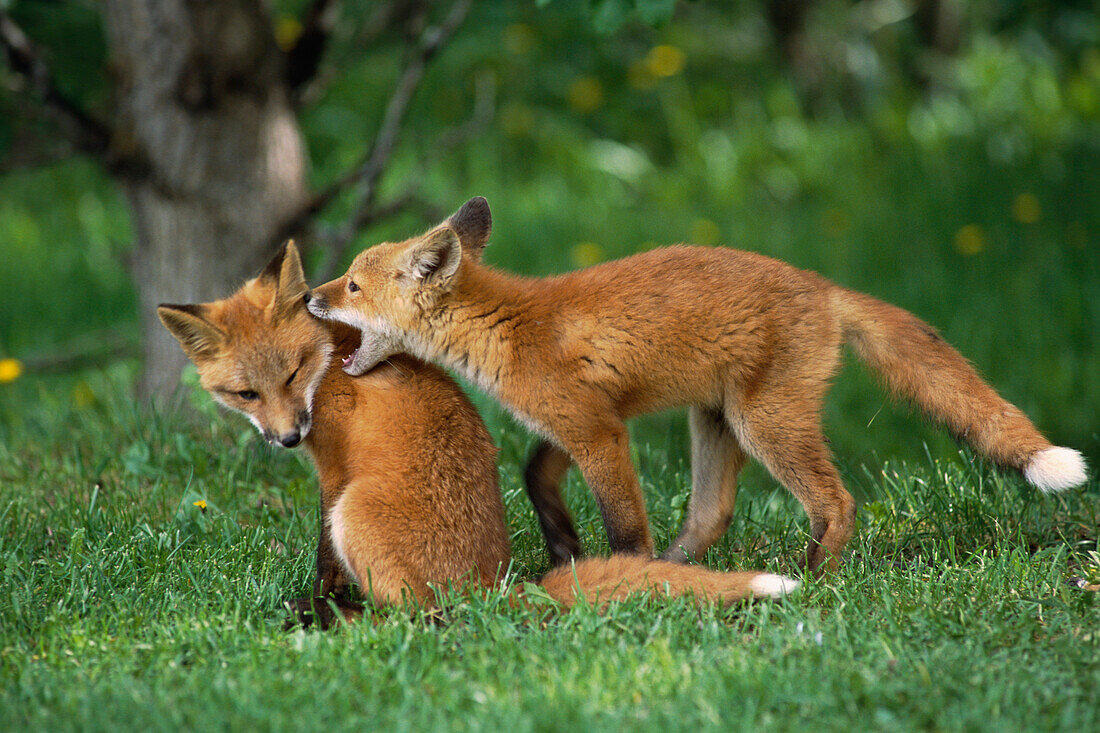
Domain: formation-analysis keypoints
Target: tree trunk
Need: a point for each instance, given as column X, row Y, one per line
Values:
column 218, row 162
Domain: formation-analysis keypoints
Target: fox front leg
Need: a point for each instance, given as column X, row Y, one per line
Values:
column 331, row 582
column 543, row 477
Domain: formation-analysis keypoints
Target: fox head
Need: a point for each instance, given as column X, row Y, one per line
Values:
column 258, row 351
column 389, row 288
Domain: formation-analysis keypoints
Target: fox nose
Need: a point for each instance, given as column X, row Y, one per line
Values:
column 290, row 439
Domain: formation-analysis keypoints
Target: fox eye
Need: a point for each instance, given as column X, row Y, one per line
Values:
column 248, row 395
column 293, row 375
column 352, row 287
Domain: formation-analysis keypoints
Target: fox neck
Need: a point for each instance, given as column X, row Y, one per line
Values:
column 472, row 327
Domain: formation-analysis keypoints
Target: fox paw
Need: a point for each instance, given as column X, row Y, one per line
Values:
column 302, row 615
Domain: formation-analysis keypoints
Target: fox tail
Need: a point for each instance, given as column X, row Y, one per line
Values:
column 917, row 364
column 599, row 580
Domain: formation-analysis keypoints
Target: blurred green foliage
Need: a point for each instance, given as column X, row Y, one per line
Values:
column 960, row 186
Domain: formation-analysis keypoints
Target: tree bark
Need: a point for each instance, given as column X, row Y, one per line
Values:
column 204, row 110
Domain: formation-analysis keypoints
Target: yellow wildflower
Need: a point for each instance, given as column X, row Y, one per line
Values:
column 705, row 231
column 83, row 395
column 201, row 504
column 519, row 38
column 665, row 60
column 970, row 240
column 585, row 94
column 586, row 254
column 288, row 30
column 10, row 370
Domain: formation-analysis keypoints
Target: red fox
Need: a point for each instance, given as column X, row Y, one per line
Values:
column 409, row 495
column 747, row 342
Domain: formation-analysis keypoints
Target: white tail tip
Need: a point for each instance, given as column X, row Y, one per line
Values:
column 768, row 584
column 1055, row 469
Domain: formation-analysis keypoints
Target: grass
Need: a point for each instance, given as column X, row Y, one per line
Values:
column 123, row 604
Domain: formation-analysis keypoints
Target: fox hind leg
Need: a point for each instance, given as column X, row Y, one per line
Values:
column 783, row 432
column 716, row 460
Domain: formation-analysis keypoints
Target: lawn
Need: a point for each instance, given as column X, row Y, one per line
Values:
column 145, row 557
column 126, row 604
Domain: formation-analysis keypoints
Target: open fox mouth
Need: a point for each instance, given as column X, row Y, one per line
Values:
column 374, row 347
column 358, row 362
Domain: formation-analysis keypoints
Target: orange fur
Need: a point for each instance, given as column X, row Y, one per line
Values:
column 615, row 578
column 748, row 342
column 406, row 466
column 409, row 494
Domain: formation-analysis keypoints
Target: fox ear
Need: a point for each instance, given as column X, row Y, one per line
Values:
column 284, row 273
column 473, row 223
column 188, row 323
column 274, row 269
column 434, row 259
column 291, row 275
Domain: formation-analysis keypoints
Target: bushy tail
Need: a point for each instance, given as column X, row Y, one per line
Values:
column 916, row 363
column 602, row 579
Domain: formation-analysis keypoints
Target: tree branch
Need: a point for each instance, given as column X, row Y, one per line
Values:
column 337, row 242
column 485, row 92
column 384, row 16
column 24, row 154
column 367, row 173
column 86, row 134
column 376, row 161
column 303, row 60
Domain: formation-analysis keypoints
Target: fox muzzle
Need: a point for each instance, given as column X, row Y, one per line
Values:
column 289, row 439
column 316, row 304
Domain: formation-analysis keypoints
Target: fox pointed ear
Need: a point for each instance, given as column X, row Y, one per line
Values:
column 292, row 280
column 473, row 223
column 434, row 259
column 291, row 275
column 285, row 276
column 274, row 269
column 189, row 324
column 284, row 272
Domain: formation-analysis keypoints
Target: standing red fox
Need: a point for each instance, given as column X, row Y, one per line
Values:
column 409, row 495
column 748, row 342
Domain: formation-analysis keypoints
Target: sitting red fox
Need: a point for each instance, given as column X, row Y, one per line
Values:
column 409, row 495
column 748, row 342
